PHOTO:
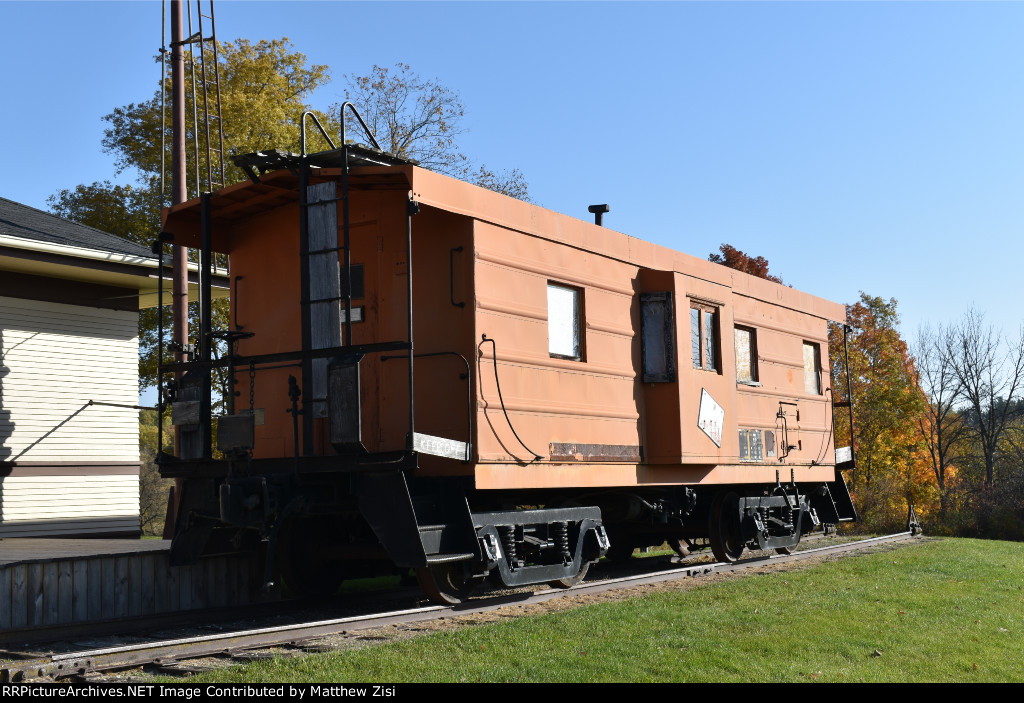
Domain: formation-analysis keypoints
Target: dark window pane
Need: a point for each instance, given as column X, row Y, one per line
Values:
column 657, row 330
column 709, row 341
column 695, row 336
column 358, row 284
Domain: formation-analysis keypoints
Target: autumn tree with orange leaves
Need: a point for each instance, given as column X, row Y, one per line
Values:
column 888, row 405
column 735, row 259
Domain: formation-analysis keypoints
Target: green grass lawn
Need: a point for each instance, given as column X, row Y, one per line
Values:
column 950, row 610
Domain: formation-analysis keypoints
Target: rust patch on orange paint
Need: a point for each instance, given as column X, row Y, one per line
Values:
column 561, row 451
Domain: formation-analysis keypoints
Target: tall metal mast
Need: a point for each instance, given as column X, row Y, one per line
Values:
column 178, row 176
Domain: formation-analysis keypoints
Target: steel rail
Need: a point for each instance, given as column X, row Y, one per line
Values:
column 79, row 663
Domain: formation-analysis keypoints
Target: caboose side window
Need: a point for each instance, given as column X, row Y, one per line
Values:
column 658, row 337
column 565, row 322
column 704, row 336
column 746, row 355
column 812, row 364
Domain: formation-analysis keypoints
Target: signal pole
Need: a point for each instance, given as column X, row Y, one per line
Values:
column 178, row 180
column 179, row 256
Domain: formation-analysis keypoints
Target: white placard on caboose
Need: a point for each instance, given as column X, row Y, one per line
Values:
column 711, row 417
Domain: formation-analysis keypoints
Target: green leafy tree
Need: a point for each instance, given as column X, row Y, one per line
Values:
column 264, row 86
column 888, row 406
column 264, row 89
column 153, row 488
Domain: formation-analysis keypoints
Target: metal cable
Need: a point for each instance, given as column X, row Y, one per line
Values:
column 832, row 425
column 494, row 358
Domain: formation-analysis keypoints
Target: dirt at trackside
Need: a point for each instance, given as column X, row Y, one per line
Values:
column 391, row 633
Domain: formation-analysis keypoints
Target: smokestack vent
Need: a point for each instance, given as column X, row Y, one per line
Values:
column 599, row 211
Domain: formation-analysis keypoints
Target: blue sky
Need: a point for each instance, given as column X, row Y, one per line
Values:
column 858, row 146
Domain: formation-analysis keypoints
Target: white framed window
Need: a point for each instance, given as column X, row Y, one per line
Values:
column 565, row 322
column 812, row 368
column 704, row 336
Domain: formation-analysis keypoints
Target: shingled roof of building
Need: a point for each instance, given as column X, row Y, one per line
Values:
column 22, row 221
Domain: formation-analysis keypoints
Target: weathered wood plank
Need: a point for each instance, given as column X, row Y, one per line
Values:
column 80, row 591
column 108, row 578
column 171, row 590
column 134, row 585
column 218, row 589
column 231, row 576
column 6, row 598
column 148, row 580
column 121, row 587
column 19, row 595
column 185, row 587
column 324, row 283
column 199, row 581
column 94, row 584
column 65, row 591
column 34, row 596
column 51, row 599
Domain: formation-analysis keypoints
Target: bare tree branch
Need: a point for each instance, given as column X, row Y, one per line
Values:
column 989, row 371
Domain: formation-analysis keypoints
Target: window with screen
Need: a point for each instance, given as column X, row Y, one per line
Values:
column 812, row 366
column 751, row 448
column 565, row 322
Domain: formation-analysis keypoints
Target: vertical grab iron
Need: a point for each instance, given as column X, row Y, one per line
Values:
column 849, row 390
column 412, row 208
column 306, row 320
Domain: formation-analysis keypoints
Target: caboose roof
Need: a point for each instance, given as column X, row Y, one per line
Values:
column 275, row 188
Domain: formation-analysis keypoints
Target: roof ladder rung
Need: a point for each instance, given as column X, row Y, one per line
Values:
column 205, row 71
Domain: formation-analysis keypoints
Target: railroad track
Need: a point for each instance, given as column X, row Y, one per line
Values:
column 167, row 653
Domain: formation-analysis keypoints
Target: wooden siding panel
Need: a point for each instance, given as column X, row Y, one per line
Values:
column 53, row 505
column 56, row 528
column 56, row 358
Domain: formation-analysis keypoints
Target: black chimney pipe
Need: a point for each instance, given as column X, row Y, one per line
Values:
column 599, row 211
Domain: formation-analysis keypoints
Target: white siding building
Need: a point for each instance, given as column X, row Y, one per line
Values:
column 69, row 436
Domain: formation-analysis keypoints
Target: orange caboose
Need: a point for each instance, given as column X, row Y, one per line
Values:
column 436, row 376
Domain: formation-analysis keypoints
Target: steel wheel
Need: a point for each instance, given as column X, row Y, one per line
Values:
column 573, row 580
column 447, row 584
column 724, row 527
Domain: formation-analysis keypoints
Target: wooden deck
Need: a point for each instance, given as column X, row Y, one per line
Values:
column 23, row 550
column 46, row 582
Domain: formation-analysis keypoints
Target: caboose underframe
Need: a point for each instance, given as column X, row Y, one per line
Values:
column 388, row 445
